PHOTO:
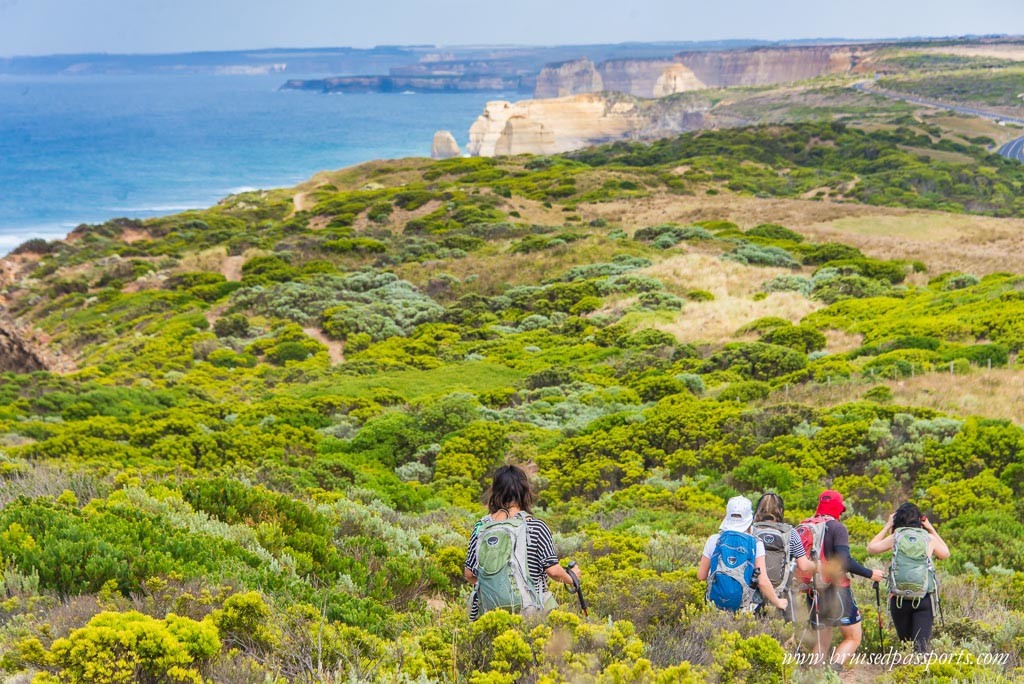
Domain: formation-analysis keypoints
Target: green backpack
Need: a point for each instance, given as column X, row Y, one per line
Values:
column 502, row 574
column 911, row 573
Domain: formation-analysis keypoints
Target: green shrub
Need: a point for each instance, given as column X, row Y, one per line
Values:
column 879, row 393
column 232, row 325
column 774, row 231
column 756, row 360
column 828, row 251
column 798, row 337
column 744, row 392
column 762, row 255
column 699, row 296
column 891, row 271
column 121, row 647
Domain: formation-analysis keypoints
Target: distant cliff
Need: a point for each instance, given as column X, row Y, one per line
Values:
column 688, row 71
column 769, row 66
column 553, row 125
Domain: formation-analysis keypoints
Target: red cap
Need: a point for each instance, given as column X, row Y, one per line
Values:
column 831, row 503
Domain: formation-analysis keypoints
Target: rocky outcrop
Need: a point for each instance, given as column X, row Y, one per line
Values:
column 641, row 77
column 444, row 146
column 569, row 78
column 550, row 126
column 18, row 355
column 676, row 78
column 561, row 124
column 688, row 71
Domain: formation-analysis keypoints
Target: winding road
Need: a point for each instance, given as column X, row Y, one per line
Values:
column 1011, row 150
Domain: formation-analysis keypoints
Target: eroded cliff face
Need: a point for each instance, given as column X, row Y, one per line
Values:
column 550, row 126
column 770, row 66
column 648, row 77
column 562, row 124
column 688, row 71
column 568, row 78
column 676, row 78
column 16, row 354
column 24, row 349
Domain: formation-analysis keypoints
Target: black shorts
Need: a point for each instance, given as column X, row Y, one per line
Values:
column 835, row 608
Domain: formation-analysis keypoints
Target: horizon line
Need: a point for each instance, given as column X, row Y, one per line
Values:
column 476, row 46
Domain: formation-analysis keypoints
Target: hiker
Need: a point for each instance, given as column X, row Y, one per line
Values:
column 733, row 561
column 511, row 554
column 782, row 546
column 829, row 599
column 912, row 586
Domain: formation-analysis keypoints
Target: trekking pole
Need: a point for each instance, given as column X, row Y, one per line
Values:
column 577, row 587
column 878, row 605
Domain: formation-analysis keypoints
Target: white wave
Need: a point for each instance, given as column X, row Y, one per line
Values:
column 11, row 238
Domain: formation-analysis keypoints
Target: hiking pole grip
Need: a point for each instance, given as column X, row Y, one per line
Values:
column 577, row 587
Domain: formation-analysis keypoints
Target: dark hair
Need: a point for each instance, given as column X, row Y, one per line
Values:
column 907, row 515
column 511, row 487
column 769, row 507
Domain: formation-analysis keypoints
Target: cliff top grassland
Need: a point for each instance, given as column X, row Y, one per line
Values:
column 284, row 409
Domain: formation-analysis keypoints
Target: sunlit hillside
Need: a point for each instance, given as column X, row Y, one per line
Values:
column 275, row 418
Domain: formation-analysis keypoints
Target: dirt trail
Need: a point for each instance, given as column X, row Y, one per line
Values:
column 334, row 348
column 232, row 268
column 301, row 202
column 863, row 674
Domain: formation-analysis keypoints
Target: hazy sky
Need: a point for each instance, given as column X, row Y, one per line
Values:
column 68, row 26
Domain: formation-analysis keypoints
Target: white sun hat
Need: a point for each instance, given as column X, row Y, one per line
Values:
column 739, row 515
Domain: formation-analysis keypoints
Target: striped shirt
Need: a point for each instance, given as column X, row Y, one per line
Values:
column 540, row 555
column 796, row 547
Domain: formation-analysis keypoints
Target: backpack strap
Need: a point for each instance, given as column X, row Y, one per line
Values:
column 520, row 556
column 738, row 573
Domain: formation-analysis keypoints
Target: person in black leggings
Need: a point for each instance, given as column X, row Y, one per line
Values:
column 912, row 617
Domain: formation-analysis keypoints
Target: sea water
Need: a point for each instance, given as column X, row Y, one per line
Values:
column 84, row 149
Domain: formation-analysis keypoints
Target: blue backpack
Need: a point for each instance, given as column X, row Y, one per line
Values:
column 732, row 571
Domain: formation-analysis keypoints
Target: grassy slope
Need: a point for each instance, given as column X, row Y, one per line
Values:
column 223, row 451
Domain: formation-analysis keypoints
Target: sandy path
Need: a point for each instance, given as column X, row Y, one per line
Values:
column 301, row 202
column 232, row 268
column 334, row 348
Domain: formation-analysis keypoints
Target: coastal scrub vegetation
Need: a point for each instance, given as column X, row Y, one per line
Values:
column 267, row 462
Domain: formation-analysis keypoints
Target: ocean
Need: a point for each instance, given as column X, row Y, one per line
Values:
column 84, row 149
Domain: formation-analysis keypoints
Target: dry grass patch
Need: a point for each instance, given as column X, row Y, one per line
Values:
column 491, row 271
column 746, row 212
column 998, row 393
column 939, row 155
column 972, row 127
column 943, row 241
column 840, row 341
column 207, row 260
column 733, row 285
column 1009, row 51
column 385, row 172
column 721, row 277
column 719, row 320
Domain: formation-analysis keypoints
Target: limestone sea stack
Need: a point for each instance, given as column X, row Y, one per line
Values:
column 444, row 146
column 550, row 126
